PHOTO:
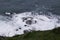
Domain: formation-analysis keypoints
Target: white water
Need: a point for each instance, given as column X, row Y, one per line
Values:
column 10, row 27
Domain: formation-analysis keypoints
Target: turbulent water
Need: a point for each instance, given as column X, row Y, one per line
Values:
column 18, row 16
column 17, row 24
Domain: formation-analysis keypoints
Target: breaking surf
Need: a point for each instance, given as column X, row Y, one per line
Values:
column 16, row 24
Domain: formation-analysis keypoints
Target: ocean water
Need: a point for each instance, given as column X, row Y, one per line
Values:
column 19, row 16
column 28, row 5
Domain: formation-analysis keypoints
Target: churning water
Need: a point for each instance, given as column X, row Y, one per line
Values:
column 24, row 16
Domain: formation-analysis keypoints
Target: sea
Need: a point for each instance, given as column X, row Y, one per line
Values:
column 20, row 16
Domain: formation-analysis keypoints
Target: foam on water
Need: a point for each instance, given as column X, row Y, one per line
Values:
column 27, row 21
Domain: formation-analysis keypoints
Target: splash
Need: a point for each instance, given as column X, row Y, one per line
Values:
column 25, row 22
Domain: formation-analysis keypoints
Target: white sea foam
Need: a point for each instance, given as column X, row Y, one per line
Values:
column 27, row 21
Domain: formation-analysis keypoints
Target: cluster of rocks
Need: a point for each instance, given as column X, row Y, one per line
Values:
column 28, row 20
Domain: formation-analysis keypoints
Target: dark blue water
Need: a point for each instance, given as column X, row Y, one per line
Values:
column 19, row 6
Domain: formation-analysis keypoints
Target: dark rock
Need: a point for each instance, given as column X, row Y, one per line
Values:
column 25, row 25
column 16, row 29
column 2, row 38
column 35, row 21
column 29, row 22
column 26, row 31
column 19, row 28
column 24, row 19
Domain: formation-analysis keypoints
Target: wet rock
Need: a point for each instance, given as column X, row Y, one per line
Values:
column 25, row 25
column 35, row 21
column 24, row 18
column 16, row 29
column 26, row 31
column 29, row 22
column 19, row 28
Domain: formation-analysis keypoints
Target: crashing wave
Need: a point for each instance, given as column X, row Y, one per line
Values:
column 27, row 21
